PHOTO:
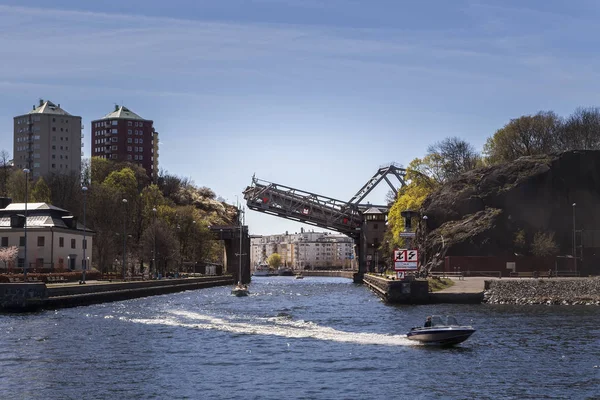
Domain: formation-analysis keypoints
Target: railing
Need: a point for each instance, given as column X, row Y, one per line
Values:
column 462, row 274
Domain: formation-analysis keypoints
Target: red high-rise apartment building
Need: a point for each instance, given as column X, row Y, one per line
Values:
column 123, row 135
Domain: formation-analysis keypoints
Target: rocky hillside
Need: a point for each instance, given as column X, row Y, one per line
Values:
column 483, row 211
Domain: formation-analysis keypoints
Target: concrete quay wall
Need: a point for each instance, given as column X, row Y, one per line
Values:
column 331, row 274
column 402, row 292
column 24, row 297
column 566, row 291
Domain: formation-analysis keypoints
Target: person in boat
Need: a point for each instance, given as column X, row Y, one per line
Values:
column 428, row 322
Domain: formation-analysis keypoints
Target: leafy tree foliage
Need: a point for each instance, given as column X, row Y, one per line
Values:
column 410, row 197
column 524, row 136
column 274, row 260
column 544, row 245
column 41, row 192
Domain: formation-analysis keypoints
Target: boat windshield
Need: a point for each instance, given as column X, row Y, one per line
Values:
column 443, row 320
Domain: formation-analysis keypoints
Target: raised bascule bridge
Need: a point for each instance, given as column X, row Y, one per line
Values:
column 365, row 223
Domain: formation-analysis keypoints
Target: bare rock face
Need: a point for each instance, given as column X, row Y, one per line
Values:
column 480, row 213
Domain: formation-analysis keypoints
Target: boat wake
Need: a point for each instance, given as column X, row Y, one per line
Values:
column 275, row 326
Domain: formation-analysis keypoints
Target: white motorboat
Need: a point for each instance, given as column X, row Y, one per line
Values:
column 443, row 331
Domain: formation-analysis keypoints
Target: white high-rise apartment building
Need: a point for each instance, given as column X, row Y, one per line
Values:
column 47, row 140
column 305, row 250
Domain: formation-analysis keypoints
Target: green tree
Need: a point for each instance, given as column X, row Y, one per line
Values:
column 544, row 245
column 524, row 136
column 410, row 197
column 41, row 192
column 274, row 261
column 16, row 186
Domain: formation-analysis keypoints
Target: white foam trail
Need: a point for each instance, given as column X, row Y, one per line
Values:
column 282, row 327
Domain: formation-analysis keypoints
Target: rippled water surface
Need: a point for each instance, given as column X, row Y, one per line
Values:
column 316, row 338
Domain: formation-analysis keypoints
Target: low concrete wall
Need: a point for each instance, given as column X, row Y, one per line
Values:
column 333, row 274
column 23, row 297
column 543, row 291
column 403, row 292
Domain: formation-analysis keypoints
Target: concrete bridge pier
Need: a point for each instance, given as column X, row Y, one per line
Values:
column 230, row 235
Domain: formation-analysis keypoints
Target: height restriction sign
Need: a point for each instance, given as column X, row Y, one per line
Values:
column 405, row 259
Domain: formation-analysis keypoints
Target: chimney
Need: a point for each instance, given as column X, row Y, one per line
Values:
column 5, row 202
column 41, row 102
column 116, row 107
column 17, row 221
column 58, row 105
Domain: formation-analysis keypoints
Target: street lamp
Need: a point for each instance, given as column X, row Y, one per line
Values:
column 574, row 240
column 25, row 224
column 124, row 235
column 425, row 242
column 84, row 189
column 154, row 244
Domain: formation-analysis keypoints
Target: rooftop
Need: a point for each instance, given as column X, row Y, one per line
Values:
column 48, row 107
column 122, row 112
column 31, row 207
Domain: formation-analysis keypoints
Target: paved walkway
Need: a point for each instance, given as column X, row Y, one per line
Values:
column 467, row 285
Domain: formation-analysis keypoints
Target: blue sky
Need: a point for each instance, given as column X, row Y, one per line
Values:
column 312, row 94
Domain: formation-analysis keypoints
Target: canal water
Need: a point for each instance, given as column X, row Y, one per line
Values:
column 315, row 338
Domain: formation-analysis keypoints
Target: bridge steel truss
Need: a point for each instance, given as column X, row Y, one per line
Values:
column 325, row 212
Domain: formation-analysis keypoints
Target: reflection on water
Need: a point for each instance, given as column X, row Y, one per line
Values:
column 311, row 338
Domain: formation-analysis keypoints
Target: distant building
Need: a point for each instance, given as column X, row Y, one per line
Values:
column 54, row 236
column 306, row 250
column 47, row 140
column 123, row 135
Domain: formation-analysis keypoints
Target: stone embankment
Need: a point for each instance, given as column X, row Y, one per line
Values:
column 576, row 291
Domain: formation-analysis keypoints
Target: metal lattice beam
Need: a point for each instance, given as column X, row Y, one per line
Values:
column 302, row 206
column 381, row 174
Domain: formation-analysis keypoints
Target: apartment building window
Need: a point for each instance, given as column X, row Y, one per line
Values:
column 114, row 139
column 114, row 122
column 53, row 119
column 129, row 131
column 113, row 156
column 129, row 140
column 128, row 148
column 73, row 243
column 136, row 157
column 129, row 123
column 61, row 242
column 21, row 241
column 129, row 156
column 53, row 165
column 141, row 157
column 53, row 129
column 41, row 241
column 135, row 141
column 141, row 140
column 54, row 156
column 85, row 244
column 113, row 131
column 114, row 147
column 4, row 241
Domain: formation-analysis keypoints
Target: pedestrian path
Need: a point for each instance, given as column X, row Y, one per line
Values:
column 466, row 285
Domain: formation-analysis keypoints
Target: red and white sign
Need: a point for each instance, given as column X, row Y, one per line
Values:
column 405, row 259
column 400, row 274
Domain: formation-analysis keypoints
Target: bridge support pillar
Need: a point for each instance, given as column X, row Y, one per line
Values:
column 230, row 235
